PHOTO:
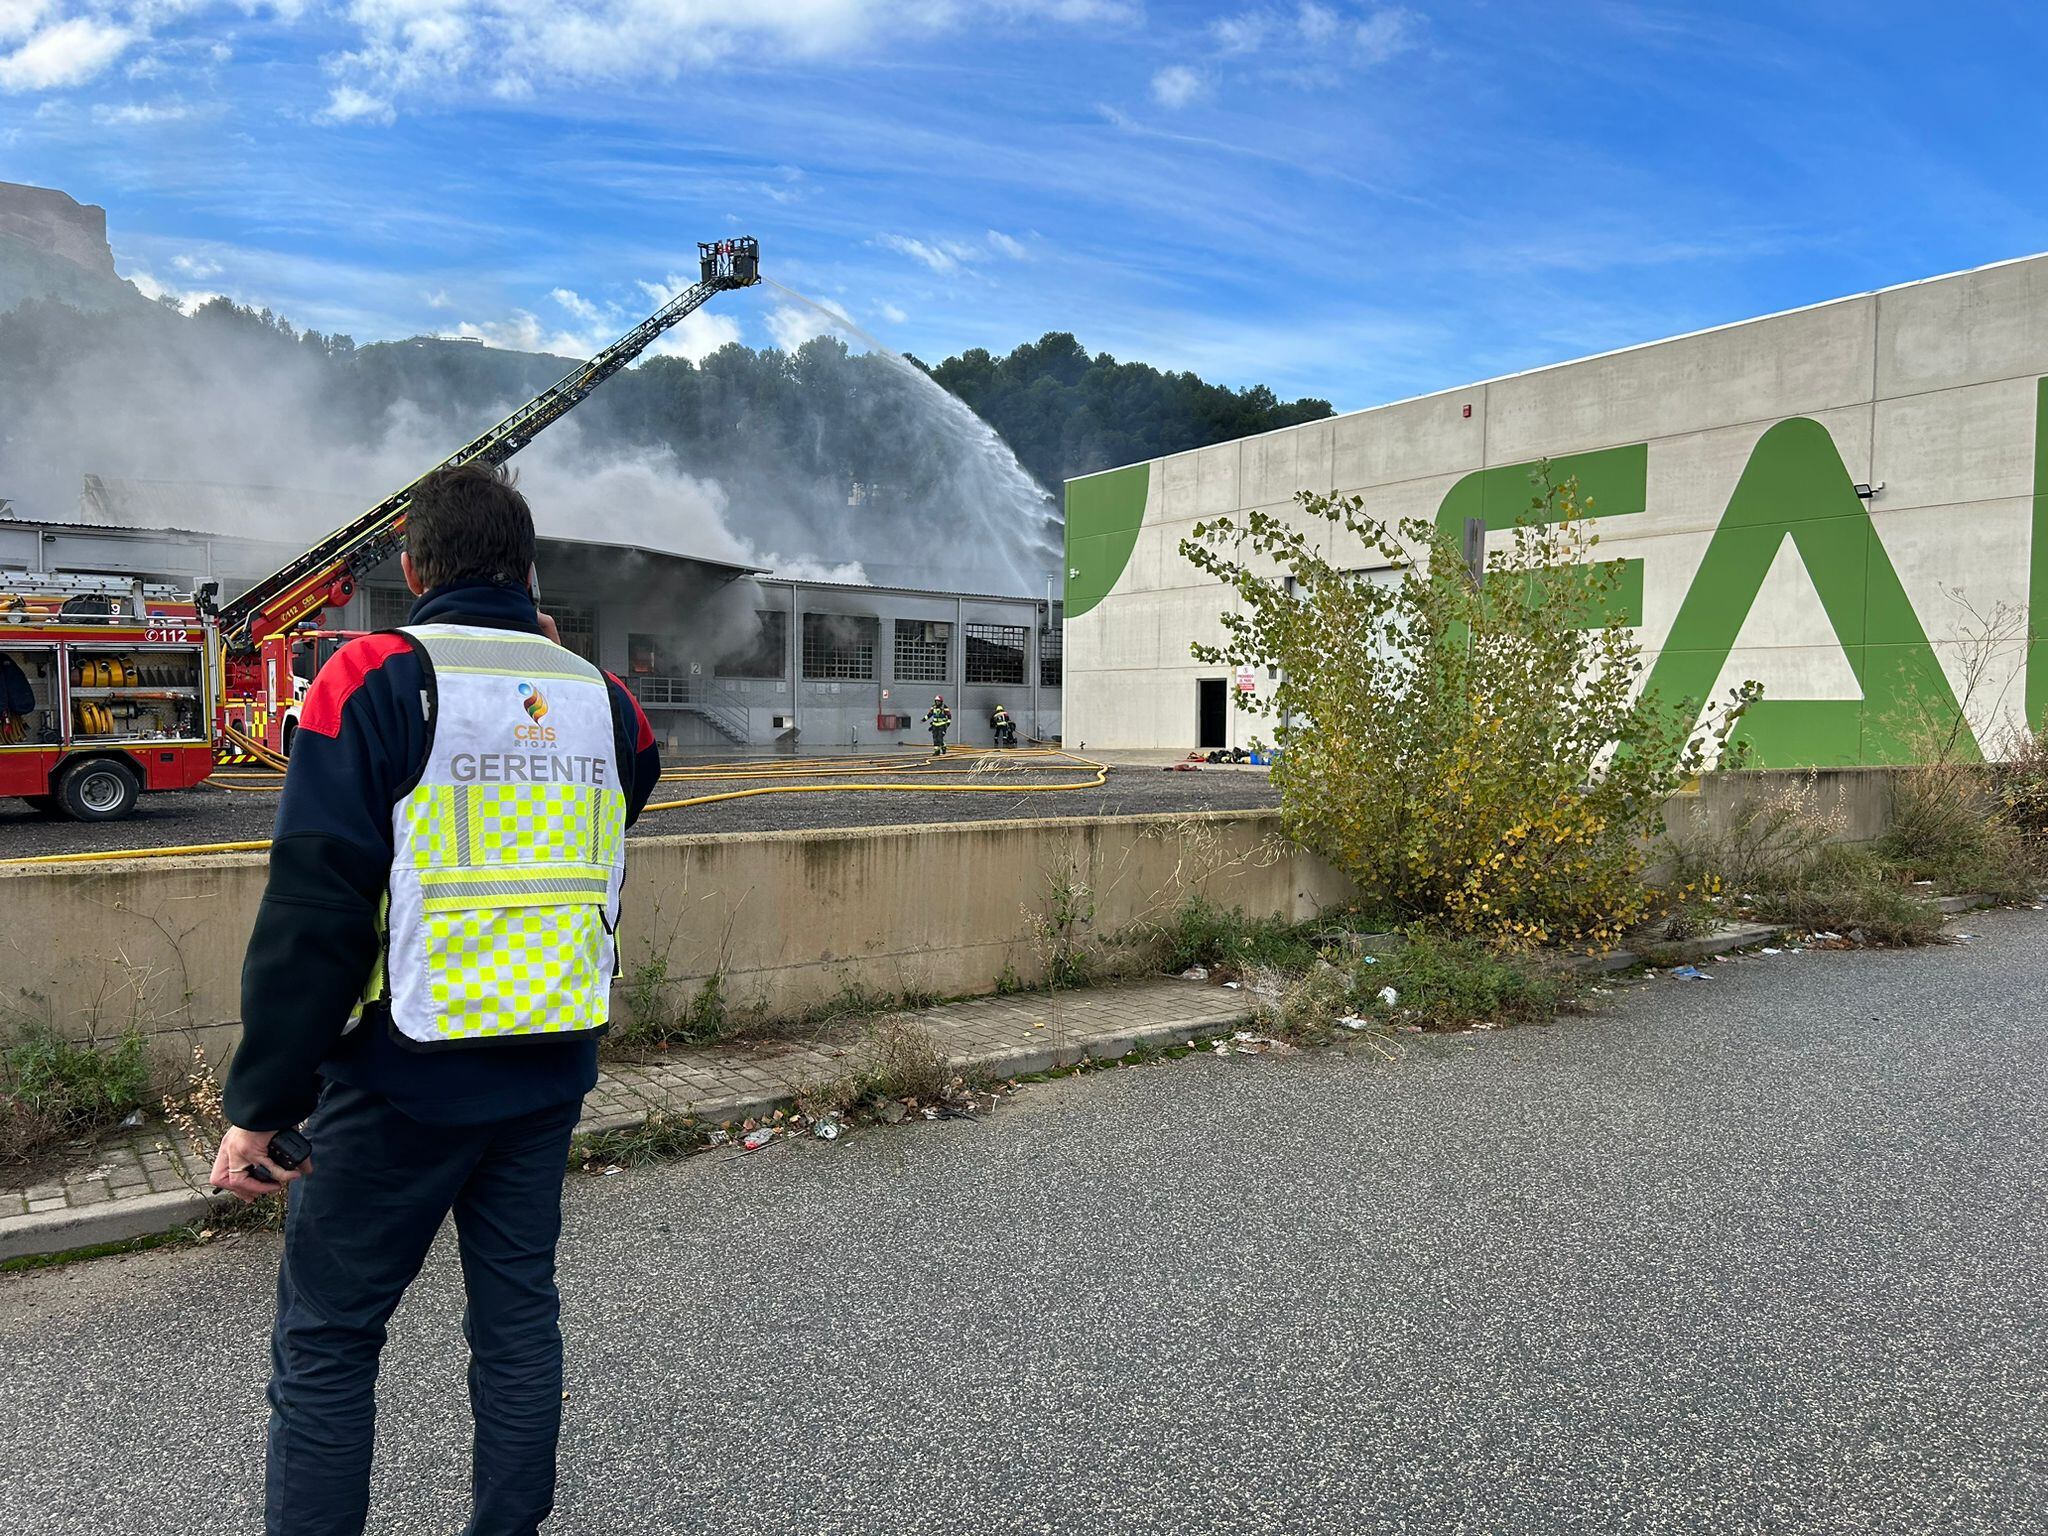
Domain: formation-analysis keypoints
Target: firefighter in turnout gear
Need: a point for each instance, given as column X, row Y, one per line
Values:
column 1004, row 727
column 940, row 719
column 428, row 974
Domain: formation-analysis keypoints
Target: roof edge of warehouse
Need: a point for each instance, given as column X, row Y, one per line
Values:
column 1573, row 362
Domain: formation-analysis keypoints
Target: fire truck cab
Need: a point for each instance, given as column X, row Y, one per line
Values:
column 106, row 691
column 261, row 693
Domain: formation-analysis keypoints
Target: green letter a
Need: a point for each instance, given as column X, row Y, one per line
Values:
column 1796, row 486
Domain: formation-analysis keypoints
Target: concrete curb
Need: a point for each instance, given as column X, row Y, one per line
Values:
column 113, row 1221
column 110, row 1221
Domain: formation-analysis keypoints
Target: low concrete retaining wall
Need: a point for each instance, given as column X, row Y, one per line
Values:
column 788, row 919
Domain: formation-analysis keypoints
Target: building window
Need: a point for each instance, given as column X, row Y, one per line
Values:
column 840, row 647
column 768, row 656
column 924, row 651
column 386, row 607
column 578, row 627
column 995, row 653
column 643, row 656
column 1051, row 652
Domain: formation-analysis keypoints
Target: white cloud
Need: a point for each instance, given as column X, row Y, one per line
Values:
column 1386, row 33
column 519, row 46
column 577, row 305
column 696, row 336
column 1241, row 34
column 940, row 258
column 523, row 332
column 200, row 267
column 140, row 114
column 187, row 299
column 1004, row 245
column 348, row 105
column 792, row 327
column 64, row 53
column 892, row 314
column 438, row 299
column 1177, row 86
column 1317, row 23
column 19, row 18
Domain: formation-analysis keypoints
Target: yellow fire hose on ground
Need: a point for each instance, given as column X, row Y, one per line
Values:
column 1030, row 760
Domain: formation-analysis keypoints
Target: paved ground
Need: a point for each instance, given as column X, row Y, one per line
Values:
column 209, row 815
column 1760, row 1255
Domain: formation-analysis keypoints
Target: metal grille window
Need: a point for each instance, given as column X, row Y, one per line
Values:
column 1051, row 653
column 924, row 651
column 995, row 653
column 579, row 629
column 768, row 655
column 840, row 647
column 386, row 607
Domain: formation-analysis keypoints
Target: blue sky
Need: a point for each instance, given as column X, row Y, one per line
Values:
column 1359, row 201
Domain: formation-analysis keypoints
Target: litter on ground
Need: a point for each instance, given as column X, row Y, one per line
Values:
column 1195, row 973
column 1245, row 1043
column 1690, row 973
column 1388, row 997
column 758, row 1137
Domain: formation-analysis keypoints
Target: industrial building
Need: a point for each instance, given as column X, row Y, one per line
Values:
column 724, row 657
column 1819, row 500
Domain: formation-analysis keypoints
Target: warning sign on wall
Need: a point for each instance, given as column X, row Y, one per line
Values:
column 1247, row 680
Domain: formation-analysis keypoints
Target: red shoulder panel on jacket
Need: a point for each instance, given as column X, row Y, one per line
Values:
column 342, row 676
column 646, row 736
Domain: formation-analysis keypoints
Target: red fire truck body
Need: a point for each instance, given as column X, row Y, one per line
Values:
column 117, row 704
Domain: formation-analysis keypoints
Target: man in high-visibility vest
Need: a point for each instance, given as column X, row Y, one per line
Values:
column 428, row 974
column 940, row 719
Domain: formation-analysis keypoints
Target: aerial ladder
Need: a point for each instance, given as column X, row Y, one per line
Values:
column 325, row 576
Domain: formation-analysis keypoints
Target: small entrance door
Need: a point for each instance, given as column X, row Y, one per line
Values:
column 1212, row 704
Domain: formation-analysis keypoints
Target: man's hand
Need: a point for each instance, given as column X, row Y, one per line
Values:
column 241, row 1151
column 548, row 629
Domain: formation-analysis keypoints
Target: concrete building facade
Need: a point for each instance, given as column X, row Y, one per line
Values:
column 1837, row 502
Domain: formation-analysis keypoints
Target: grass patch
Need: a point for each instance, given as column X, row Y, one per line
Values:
column 658, row 1015
column 1445, row 982
column 659, row 1138
column 899, row 1060
column 54, row 1090
column 1852, row 891
column 32, row 1261
column 1201, row 933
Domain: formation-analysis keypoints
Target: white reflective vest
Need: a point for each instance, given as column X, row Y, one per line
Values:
column 509, row 852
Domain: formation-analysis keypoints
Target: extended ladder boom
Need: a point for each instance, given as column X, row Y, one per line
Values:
column 325, row 575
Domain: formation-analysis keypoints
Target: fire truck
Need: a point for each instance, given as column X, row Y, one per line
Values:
column 126, row 688
column 106, row 690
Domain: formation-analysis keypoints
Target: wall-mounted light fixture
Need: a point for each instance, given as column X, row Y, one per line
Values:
column 1867, row 492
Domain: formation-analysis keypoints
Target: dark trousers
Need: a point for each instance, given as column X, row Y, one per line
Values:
column 938, row 738
column 357, row 1232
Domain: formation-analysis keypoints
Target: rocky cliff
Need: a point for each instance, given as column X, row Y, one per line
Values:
column 57, row 225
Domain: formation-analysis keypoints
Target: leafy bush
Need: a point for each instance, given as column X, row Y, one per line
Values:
column 1478, row 757
column 53, row 1089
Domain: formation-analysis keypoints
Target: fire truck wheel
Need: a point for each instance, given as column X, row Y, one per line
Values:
column 98, row 789
column 291, row 734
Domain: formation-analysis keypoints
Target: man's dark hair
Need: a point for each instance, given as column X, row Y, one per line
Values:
column 469, row 523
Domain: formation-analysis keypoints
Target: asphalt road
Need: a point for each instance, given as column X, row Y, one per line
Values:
column 211, row 815
column 1760, row 1255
